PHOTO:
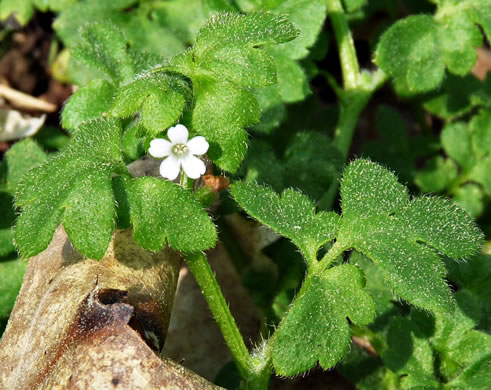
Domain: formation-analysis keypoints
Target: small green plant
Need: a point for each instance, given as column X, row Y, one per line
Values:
column 223, row 79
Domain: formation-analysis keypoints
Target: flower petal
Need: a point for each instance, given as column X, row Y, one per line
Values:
column 170, row 167
column 198, row 145
column 193, row 166
column 178, row 134
column 159, row 148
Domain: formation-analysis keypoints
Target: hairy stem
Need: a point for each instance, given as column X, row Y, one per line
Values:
column 346, row 47
column 198, row 264
column 357, row 90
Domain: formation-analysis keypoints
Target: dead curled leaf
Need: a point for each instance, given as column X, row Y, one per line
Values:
column 84, row 324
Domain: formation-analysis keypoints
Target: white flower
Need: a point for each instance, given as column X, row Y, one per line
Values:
column 180, row 153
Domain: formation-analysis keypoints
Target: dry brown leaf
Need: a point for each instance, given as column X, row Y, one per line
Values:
column 84, row 324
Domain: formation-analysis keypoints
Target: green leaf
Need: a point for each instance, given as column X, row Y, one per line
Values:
column 236, row 30
column 161, row 97
column 148, row 36
column 353, row 5
column 11, row 274
column 459, row 37
column 69, row 22
column 21, row 157
column 456, row 141
column 228, row 46
column 103, row 46
column 262, row 166
column 292, row 215
column 409, row 52
column 316, row 327
column 21, row 9
column 471, row 198
column 249, row 67
column 456, row 97
column 293, row 85
column 380, row 221
column 73, row 188
column 162, row 212
column 6, row 222
column 475, row 377
column 416, row 50
column 480, row 127
column 438, row 174
column 410, row 354
column 53, row 5
column 87, row 103
column 312, row 163
column 306, row 15
column 221, row 111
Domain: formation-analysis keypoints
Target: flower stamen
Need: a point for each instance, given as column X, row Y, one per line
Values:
column 179, row 149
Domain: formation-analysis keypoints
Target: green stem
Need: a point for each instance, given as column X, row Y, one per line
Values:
column 336, row 250
column 346, row 47
column 205, row 278
column 357, row 90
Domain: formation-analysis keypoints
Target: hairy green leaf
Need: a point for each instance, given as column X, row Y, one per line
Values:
column 72, row 19
column 416, row 50
column 21, row 157
column 160, row 96
column 103, row 46
column 162, row 212
column 409, row 354
column 409, row 51
column 316, row 327
column 292, row 215
column 89, row 102
column 382, row 222
column 308, row 16
column 73, row 188
column 236, row 30
column 311, row 163
column 221, row 111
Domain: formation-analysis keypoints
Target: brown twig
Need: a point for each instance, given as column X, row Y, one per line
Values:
column 23, row 100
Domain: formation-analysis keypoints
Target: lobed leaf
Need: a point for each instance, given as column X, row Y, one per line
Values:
column 316, row 327
column 89, row 102
column 410, row 355
column 292, row 215
column 456, row 142
column 161, row 97
column 246, row 66
column 103, row 46
column 162, row 212
column 380, row 221
column 308, row 17
column 457, row 96
column 21, row 157
column 72, row 19
column 415, row 51
column 238, row 30
column 410, row 53
column 221, row 111
column 73, row 188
